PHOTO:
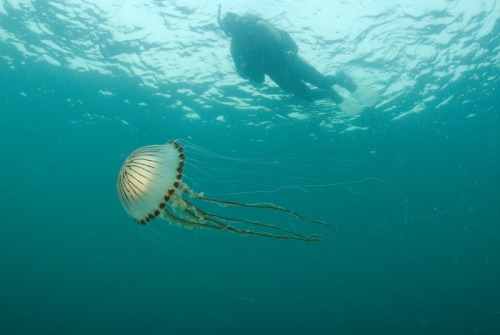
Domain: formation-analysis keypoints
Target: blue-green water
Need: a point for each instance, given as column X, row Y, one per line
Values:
column 412, row 185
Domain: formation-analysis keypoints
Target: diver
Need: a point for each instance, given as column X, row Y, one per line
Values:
column 258, row 49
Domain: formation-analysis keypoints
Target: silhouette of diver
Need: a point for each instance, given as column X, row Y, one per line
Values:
column 258, row 49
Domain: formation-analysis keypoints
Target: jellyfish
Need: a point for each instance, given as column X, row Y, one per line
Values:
column 150, row 185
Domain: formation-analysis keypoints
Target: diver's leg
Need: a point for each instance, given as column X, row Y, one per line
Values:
column 309, row 74
column 301, row 90
column 296, row 86
column 341, row 79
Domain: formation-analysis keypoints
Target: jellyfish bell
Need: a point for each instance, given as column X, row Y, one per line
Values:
column 150, row 185
column 148, row 180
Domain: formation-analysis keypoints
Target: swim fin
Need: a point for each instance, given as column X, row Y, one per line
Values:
column 365, row 95
column 350, row 107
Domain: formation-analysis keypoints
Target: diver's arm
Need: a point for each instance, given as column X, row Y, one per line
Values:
column 244, row 65
column 239, row 61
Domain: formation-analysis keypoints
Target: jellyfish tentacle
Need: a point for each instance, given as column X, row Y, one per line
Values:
column 259, row 205
column 221, row 222
column 297, row 237
column 185, row 222
column 205, row 214
column 220, row 226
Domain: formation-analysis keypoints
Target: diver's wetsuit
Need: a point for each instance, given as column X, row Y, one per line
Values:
column 258, row 48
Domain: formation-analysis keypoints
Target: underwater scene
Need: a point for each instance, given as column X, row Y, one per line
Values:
column 168, row 170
